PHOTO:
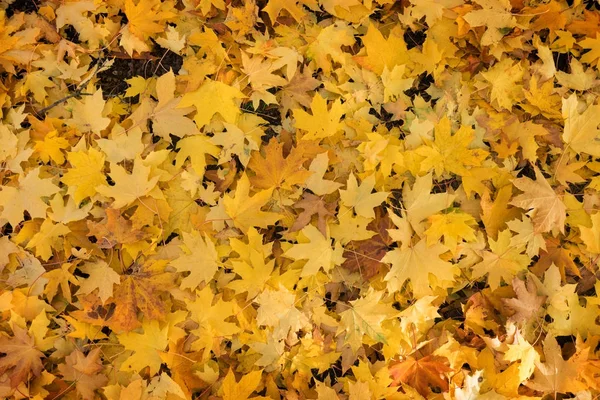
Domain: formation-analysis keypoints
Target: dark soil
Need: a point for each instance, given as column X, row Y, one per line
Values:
column 112, row 81
column 414, row 39
column 420, row 88
column 26, row 6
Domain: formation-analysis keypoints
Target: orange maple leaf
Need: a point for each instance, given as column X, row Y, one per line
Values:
column 423, row 374
column 276, row 171
column 140, row 291
column 21, row 356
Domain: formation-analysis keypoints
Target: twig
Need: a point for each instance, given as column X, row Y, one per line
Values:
column 57, row 102
column 78, row 92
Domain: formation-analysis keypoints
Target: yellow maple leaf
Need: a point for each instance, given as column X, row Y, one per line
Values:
column 523, row 351
column 211, row 316
column 383, row 53
column 37, row 82
column 318, row 251
column 581, row 128
column 16, row 44
column 365, row 317
column 168, row 118
column 173, row 40
column 201, row 260
column 360, row 197
column 27, row 196
column 205, row 5
column 101, row 277
column 571, row 317
column 128, row 187
column 47, row 238
column 274, row 8
column 254, row 274
column 195, row 148
column 527, row 235
column 541, row 99
column 260, row 73
column 503, row 262
column 122, row 145
column 326, row 48
column 556, row 375
column 591, row 236
column 275, row 171
column 322, row 123
column 60, row 278
column 422, row 266
column 420, row 203
column 241, row 390
column 245, row 211
column 147, row 16
column 213, row 97
column 503, row 382
column 525, row 134
column 146, row 347
column 315, row 181
column 86, row 173
column 451, row 153
column 504, row 78
column 87, row 115
column 495, row 214
column 495, row 15
column 50, row 148
column 453, row 226
column 593, row 56
column 350, row 227
column 547, row 209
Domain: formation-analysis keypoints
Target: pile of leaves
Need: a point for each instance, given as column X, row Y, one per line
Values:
column 299, row 199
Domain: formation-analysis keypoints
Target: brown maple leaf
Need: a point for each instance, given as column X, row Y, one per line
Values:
column 276, row 171
column 424, row 374
column 21, row 357
column 365, row 255
column 84, row 372
column 590, row 372
column 528, row 304
column 222, row 183
column 558, row 254
column 545, row 205
column 93, row 311
column 480, row 314
column 183, row 366
column 557, row 375
column 548, row 16
column 296, row 93
column 312, row 205
column 114, row 230
column 589, row 26
column 141, row 290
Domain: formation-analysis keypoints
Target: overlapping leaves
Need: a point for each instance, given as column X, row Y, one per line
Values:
column 299, row 199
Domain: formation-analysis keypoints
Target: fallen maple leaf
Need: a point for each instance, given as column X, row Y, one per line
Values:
column 245, row 210
column 21, row 357
column 146, row 347
column 139, row 291
column 424, row 374
column 114, row 230
column 556, row 375
column 276, row 171
column 548, row 210
column 84, row 370
column 312, row 205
